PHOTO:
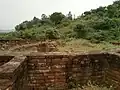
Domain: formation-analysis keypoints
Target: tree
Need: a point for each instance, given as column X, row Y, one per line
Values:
column 43, row 17
column 69, row 16
column 21, row 26
column 56, row 17
column 87, row 13
column 35, row 20
column 45, row 20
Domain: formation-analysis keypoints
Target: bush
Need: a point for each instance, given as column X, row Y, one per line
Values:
column 65, row 22
column 52, row 33
column 80, row 31
column 9, row 36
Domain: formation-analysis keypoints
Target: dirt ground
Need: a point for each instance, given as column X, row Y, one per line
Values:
column 25, row 46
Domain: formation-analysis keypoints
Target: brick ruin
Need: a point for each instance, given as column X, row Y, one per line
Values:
column 58, row 71
column 46, row 70
column 28, row 46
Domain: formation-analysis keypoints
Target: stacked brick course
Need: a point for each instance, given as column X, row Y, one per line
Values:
column 22, row 45
column 113, row 73
column 7, row 44
column 13, row 74
column 59, row 71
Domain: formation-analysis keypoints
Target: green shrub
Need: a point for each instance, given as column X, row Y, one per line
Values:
column 80, row 31
column 52, row 33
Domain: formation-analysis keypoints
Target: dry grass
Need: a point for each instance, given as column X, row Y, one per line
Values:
column 93, row 88
column 75, row 45
column 82, row 45
column 90, row 86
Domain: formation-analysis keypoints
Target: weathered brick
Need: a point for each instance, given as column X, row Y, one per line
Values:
column 42, row 71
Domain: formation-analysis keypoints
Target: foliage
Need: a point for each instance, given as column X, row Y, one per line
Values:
column 69, row 16
column 96, row 25
column 52, row 33
column 56, row 17
column 80, row 30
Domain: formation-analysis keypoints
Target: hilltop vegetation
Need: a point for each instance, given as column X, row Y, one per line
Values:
column 96, row 25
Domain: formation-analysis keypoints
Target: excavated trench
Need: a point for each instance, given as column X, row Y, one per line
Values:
column 59, row 71
column 5, row 59
column 46, row 70
column 4, row 82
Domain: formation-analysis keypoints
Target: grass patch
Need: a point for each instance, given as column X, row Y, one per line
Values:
column 81, row 45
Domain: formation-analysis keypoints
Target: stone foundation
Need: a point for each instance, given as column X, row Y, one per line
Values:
column 59, row 71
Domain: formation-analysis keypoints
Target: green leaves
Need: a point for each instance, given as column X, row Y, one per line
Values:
column 56, row 17
column 52, row 33
column 80, row 30
column 101, row 24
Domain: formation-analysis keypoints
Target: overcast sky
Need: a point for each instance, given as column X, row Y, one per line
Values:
column 15, row 11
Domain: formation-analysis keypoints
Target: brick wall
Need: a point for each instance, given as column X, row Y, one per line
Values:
column 60, row 70
column 113, row 73
column 6, row 44
column 20, row 76
column 13, row 73
column 27, row 45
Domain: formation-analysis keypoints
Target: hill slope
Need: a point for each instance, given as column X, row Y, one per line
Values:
column 101, row 24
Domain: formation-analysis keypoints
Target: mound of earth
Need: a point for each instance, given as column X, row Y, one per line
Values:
column 36, row 47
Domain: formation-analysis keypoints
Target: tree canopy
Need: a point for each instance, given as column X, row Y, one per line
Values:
column 101, row 24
